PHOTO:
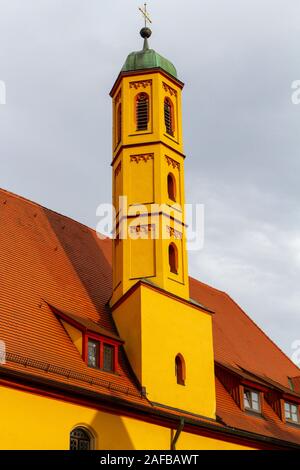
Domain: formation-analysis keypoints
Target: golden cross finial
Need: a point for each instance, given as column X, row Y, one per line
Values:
column 145, row 14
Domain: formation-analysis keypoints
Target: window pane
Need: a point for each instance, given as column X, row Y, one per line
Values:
column 255, row 406
column 108, row 357
column 288, row 414
column 291, row 412
column 255, row 401
column 294, row 413
column 247, row 399
column 295, row 417
column 79, row 440
column 294, row 409
column 73, row 444
column 84, row 445
column 251, row 400
column 93, row 353
column 287, row 407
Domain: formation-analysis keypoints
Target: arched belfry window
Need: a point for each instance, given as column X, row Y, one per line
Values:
column 171, row 187
column 180, row 369
column 169, row 116
column 142, row 111
column 80, row 439
column 119, row 123
column 173, row 258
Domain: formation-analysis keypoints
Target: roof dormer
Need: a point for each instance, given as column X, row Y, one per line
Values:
column 98, row 347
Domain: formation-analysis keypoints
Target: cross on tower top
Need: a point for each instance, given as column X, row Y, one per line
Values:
column 145, row 14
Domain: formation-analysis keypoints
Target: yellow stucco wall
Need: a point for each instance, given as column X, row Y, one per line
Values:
column 156, row 328
column 142, row 162
column 32, row 422
column 75, row 335
column 128, row 320
column 170, row 327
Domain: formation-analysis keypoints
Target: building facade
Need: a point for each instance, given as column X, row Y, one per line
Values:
column 109, row 344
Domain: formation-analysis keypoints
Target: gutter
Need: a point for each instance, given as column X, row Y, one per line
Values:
column 115, row 405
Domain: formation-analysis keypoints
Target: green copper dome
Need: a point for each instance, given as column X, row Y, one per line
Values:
column 148, row 58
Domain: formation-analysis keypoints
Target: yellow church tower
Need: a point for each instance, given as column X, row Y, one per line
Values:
column 168, row 337
column 148, row 168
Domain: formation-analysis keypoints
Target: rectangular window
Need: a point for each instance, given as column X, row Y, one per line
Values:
column 93, row 353
column 252, row 400
column 291, row 412
column 108, row 358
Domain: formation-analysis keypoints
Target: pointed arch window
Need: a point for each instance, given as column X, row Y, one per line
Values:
column 80, row 439
column 119, row 123
column 169, row 116
column 142, row 111
column 180, row 369
column 173, row 258
column 171, row 187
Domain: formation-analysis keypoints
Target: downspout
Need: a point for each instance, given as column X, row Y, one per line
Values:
column 177, row 435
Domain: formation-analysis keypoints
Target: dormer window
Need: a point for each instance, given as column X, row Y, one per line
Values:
column 101, row 354
column 252, row 400
column 291, row 412
column 98, row 347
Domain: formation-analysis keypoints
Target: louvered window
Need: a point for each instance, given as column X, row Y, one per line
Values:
column 119, row 123
column 142, row 111
column 169, row 117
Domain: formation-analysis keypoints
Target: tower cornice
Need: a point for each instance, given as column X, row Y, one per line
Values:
column 144, row 144
column 134, row 73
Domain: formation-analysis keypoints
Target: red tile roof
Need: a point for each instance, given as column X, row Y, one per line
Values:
column 48, row 259
column 239, row 341
column 85, row 324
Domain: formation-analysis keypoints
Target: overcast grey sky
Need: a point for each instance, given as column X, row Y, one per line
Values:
column 59, row 59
